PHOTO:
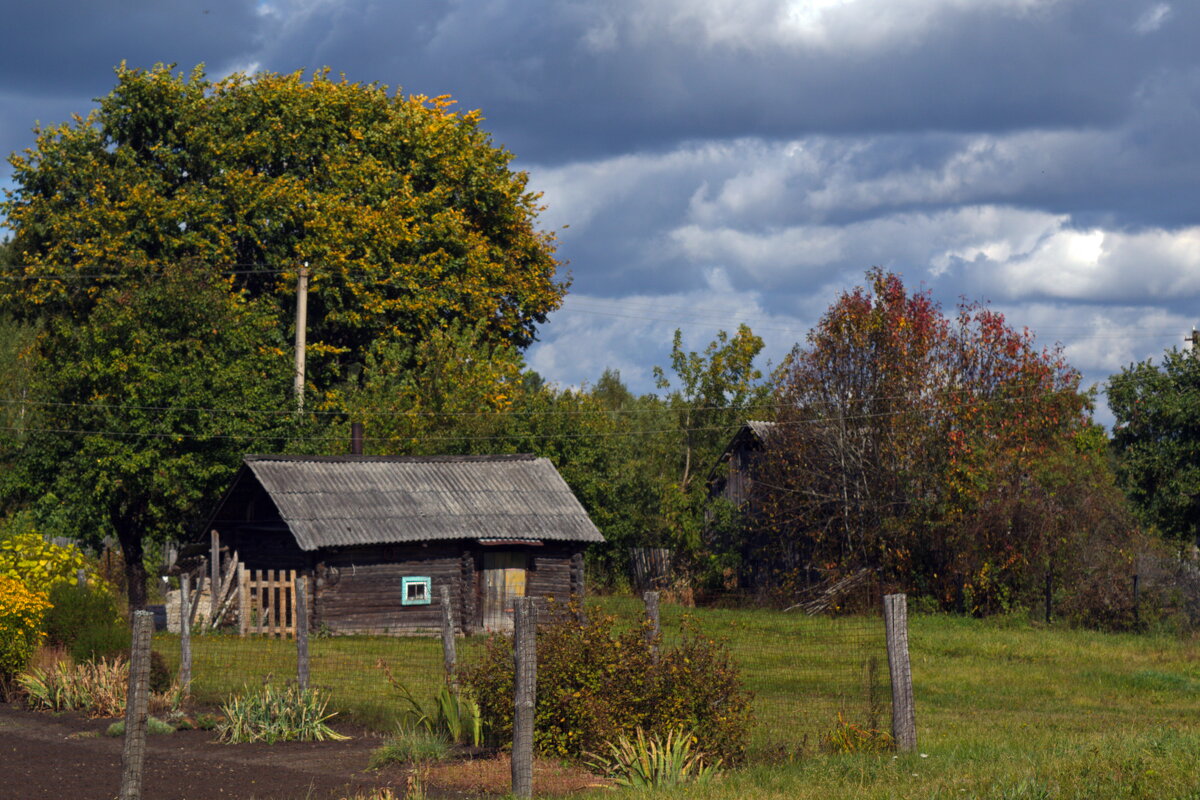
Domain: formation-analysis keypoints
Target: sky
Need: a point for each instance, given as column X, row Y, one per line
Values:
column 711, row 162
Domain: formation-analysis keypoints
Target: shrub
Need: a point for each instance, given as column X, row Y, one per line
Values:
column 41, row 564
column 154, row 725
column 273, row 715
column 102, row 641
column 651, row 762
column 22, row 611
column 161, row 678
column 96, row 688
column 596, row 684
column 77, row 608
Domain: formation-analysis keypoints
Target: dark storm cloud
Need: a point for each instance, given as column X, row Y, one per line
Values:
column 68, row 48
column 725, row 160
column 565, row 80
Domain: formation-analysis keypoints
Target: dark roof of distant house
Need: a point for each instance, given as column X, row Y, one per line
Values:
column 761, row 428
column 754, row 434
column 335, row 501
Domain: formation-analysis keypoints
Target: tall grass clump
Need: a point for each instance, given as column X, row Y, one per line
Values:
column 277, row 715
column 97, row 688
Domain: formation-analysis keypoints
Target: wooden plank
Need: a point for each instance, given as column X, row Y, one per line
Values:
column 243, row 600
column 223, row 599
column 291, row 588
column 256, row 593
column 196, row 600
column 273, row 599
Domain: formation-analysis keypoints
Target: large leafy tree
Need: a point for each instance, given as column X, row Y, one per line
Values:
column 407, row 214
column 156, row 245
column 921, row 445
column 1156, row 439
column 153, row 403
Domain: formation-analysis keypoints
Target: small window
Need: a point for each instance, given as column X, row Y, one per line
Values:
column 415, row 591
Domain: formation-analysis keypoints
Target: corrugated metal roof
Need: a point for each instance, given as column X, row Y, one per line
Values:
column 336, row 501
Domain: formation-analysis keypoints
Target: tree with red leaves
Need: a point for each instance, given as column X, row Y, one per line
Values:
column 933, row 449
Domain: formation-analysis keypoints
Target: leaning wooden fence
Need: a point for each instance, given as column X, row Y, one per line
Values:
column 267, row 601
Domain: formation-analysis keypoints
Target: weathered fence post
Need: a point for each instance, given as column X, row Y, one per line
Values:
column 81, row 578
column 1049, row 596
column 301, row 611
column 904, row 722
column 449, row 654
column 653, row 630
column 137, row 705
column 214, row 566
column 1137, row 619
column 524, row 694
column 185, row 631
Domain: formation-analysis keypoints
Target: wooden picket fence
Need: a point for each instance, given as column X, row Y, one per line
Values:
column 267, row 602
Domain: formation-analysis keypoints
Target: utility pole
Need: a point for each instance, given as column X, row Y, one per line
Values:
column 301, row 331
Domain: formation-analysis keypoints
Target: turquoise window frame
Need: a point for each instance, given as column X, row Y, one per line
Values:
column 416, row 581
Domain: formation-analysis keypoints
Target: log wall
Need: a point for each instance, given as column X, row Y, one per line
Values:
column 358, row 590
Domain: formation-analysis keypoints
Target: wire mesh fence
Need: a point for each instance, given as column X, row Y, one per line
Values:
column 809, row 674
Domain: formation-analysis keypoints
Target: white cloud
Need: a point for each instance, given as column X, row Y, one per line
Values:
column 1153, row 18
column 1151, row 265
column 858, row 25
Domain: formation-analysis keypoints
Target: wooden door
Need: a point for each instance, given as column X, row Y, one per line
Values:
column 503, row 580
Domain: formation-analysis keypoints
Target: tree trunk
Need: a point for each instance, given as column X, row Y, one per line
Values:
column 129, row 534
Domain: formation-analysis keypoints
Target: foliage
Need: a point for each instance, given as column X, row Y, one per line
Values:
column 165, row 231
column 714, row 387
column 449, row 715
column 1156, row 439
column 41, row 564
column 22, row 611
column 76, row 608
column 651, row 762
column 277, row 715
column 158, row 397
column 102, row 640
column 161, row 678
column 949, row 454
column 714, row 393
column 450, row 392
column 596, row 683
column 848, row 737
column 408, row 215
column 97, row 688
column 410, row 745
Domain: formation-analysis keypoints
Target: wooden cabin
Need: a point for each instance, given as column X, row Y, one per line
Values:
column 379, row 536
column 732, row 477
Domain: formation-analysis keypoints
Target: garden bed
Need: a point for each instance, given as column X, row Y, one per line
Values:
column 54, row 756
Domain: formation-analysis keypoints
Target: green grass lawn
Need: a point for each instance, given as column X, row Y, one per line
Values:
column 1005, row 709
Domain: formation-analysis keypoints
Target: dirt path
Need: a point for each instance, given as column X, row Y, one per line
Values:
column 65, row 758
